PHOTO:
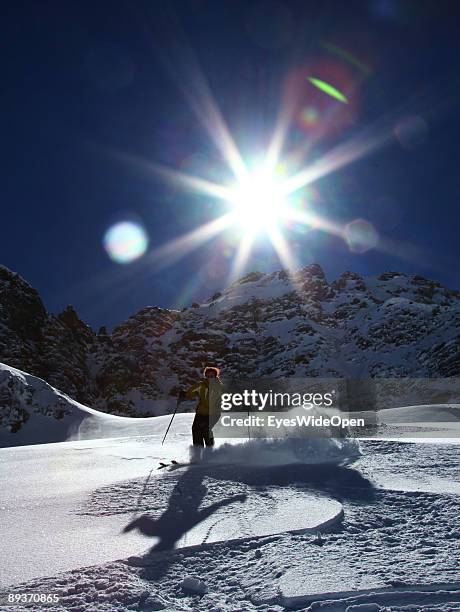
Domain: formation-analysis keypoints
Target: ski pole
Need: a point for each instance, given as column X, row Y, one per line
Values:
column 170, row 422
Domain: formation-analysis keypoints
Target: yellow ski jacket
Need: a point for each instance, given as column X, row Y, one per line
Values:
column 202, row 390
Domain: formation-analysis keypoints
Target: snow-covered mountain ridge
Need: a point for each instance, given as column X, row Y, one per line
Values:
column 391, row 325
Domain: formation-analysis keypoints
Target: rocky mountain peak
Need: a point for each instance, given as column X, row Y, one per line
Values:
column 69, row 316
column 21, row 309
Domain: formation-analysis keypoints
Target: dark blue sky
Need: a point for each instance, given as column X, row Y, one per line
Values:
column 83, row 82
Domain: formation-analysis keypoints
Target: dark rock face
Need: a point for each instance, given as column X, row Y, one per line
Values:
column 22, row 310
column 277, row 325
column 22, row 317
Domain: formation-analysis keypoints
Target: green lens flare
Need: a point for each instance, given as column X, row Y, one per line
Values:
column 328, row 89
column 348, row 57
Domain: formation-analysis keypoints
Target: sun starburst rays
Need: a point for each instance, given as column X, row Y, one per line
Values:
column 260, row 201
column 339, row 157
column 257, row 204
column 282, row 249
column 241, row 257
column 176, row 249
column 184, row 181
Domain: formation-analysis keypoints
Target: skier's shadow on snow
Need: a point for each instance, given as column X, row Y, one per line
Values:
column 341, row 483
column 183, row 510
column 181, row 514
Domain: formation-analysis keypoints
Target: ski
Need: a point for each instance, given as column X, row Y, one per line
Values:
column 172, row 463
column 175, row 465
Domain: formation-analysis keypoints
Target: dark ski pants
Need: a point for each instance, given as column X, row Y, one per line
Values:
column 201, row 431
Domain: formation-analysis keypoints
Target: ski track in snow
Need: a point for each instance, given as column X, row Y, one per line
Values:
column 396, row 550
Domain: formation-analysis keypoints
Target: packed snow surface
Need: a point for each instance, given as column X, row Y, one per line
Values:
column 68, row 509
column 114, row 478
column 330, row 525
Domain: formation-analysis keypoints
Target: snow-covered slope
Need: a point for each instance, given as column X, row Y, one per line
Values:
column 91, row 488
column 101, row 528
column 33, row 412
column 430, row 413
column 425, row 422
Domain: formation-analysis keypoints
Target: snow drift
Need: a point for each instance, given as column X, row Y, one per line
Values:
column 34, row 412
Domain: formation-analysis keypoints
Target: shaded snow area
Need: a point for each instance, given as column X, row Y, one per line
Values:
column 97, row 523
column 34, row 412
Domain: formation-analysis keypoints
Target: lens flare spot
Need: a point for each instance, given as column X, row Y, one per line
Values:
column 309, row 116
column 125, row 241
column 316, row 106
column 328, row 89
column 360, row 236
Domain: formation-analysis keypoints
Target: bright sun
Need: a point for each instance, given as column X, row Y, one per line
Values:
column 258, row 202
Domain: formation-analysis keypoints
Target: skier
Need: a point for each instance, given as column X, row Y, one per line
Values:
column 207, row 411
